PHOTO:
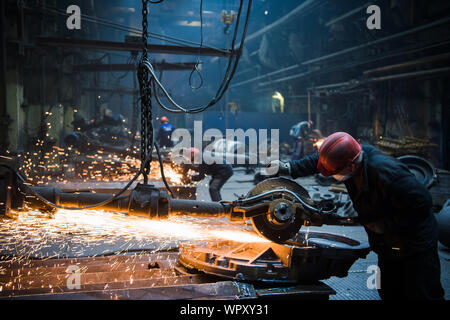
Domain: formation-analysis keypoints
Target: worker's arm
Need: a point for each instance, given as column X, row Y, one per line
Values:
column 306, row 166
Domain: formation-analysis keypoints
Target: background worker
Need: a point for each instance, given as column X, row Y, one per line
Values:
column 164, row 135
column 220, row 174
column 393, row 207
column 301, row 134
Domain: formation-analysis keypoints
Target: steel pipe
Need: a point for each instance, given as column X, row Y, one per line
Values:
column 145, row 200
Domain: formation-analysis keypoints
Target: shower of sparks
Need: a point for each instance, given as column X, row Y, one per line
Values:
column 45, row 162
column 63, row 165
column 32, row 234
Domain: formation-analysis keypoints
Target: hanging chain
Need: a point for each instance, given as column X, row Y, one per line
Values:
column 146, row 97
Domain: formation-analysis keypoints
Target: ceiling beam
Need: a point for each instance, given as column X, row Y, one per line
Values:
column 168, row 66
column 131, row 46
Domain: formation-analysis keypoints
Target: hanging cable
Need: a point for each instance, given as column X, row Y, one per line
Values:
column 196, row 66
column 161, row 167
column 229, row 73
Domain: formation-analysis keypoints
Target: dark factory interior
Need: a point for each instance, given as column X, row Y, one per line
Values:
column 250, row 150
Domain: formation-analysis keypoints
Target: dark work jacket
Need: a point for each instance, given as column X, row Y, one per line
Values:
column 165, row 134
column 393, row 207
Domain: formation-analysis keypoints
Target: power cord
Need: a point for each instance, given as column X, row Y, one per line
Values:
column 195, row 69
column 231, row 69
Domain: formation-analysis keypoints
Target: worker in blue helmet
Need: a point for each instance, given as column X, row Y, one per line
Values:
column 164, row 135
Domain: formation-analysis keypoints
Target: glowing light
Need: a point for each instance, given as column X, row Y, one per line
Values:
column 34, row 234
column 237, row 236
column 318, row 143
column 278, row 96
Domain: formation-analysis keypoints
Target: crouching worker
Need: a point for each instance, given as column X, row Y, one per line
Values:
column 220, row 173
column 393, row 207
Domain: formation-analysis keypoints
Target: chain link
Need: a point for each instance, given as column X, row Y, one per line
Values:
column 146, row 96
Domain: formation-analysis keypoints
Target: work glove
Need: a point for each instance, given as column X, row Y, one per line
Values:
column 284, row 168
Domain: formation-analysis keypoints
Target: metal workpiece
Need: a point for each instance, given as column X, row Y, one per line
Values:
column 145, row 200
column 310, row 256
column 148, row 201
column 73, row 199
column 198, row 208
column 284, row 218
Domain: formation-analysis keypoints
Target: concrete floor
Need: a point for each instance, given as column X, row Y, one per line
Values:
column 353, row 287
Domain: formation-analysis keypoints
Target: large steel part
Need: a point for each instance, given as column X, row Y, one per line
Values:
column 443, row 219
column 310, row 256
column 145, row 200
column 134, row 277
column 282, row 221
column 422, row 169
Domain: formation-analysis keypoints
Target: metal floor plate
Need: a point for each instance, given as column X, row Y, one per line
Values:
column 136, row 277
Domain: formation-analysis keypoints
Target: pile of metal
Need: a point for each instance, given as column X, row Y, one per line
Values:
column 404, row 146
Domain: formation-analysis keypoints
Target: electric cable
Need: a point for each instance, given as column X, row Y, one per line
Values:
column 161, row 168
column 225, row 83
column 195, row 69
column 120, row 27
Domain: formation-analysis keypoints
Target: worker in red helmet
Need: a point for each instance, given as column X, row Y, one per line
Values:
column 164, row 134
column 394, row 208
column 220, row 173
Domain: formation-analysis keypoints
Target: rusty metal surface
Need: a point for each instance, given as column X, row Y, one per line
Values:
column 310, row 257
column 144, row 276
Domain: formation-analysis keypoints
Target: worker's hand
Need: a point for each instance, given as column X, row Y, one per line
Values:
column 280, row 168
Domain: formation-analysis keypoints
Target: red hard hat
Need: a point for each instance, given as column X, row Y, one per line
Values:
column 337, row 152
column 164, row 119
